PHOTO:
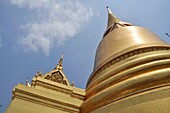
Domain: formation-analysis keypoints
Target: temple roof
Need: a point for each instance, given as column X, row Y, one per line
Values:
column 57, row 74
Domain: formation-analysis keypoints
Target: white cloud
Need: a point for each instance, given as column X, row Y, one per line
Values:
column 57, row 21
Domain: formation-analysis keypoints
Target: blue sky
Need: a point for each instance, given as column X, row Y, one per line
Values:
column 34, row 33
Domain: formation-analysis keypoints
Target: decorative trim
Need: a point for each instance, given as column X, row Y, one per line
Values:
column 42, row 100
column 56, row 76
column 125, row 56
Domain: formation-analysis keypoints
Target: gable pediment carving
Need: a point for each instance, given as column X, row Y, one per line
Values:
column 57, row 77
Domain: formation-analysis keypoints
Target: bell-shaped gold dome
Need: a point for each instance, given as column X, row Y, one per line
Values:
column 120, row 38
column 131, row 70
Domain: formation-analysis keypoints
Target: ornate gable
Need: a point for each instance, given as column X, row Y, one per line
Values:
column 57, row 74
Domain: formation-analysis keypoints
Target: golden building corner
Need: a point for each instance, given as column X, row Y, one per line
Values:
column 48, row 93
column 131, row 75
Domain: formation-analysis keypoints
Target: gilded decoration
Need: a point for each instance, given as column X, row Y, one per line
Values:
column 125, row 56
column 57, row 74
column 57, row 77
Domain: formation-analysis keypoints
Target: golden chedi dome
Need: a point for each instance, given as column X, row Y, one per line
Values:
column 131, row 72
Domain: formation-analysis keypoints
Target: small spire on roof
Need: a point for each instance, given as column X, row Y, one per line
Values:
column 38, row 74
column 28, row 84
column 60, row 63
column 61, row 60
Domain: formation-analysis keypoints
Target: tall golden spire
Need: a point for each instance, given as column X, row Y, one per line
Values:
column 112, row 19
column 114, row 23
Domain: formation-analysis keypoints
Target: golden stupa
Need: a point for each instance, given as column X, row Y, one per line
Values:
column 131, row 75
column 131, row 72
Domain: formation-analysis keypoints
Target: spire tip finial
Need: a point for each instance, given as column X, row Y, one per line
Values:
column 109, row 11
column 62, row 55
column 60, row 63
column 61, row 59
